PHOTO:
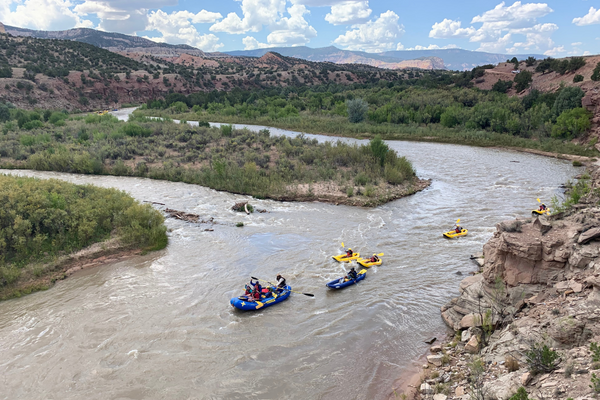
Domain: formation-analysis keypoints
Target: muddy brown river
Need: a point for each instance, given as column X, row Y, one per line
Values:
column 160, row 326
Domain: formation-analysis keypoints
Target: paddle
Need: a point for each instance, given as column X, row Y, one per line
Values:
column 306, row 294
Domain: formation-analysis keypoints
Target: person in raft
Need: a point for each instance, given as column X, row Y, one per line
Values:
column 374, row 258
column 281, row 284
column 458, row 228
column 352, row 275
column 349, row 253
column 543, row 207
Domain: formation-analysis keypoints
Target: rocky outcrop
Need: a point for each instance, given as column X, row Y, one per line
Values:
column 2, row 29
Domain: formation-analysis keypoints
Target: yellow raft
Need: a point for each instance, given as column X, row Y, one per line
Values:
column 345, row 258
column 453, row 233
column 366, row 262
column 538, row 212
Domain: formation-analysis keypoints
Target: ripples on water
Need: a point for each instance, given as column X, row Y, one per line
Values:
column 161, row 327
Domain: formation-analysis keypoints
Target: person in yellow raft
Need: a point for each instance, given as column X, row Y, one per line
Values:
column 458, row 228
column 542, row 207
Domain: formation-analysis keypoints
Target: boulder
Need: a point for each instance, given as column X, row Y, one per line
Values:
column 435, row 360
column 526, row 378
column 425, row 388
column 440, row 396
column 589, row 235
column 504, row 387
column 576, row 286
column 465, row 335
column 567, row 331
column 472, row 345
column 542, row 224
column 435, row 349
column 459, row 391
column 594, row 297
column 470, row 320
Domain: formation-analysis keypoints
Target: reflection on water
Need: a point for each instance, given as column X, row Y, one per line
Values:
column 160, row 326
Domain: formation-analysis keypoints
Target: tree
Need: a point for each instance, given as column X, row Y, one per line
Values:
column 596, row 74
column 523, row 79
column 4, row 113
column 379, row 149
column 545, row 65
column 568, row 98
column 515, row 61
column 578, row 78
column 561, row 66
column 502, row 86
column 530, row 61
column 572, row 123
column 575, row 63
column 357, row 110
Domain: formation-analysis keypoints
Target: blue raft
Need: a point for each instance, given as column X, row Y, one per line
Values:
column 243, row 304
column 340, row 284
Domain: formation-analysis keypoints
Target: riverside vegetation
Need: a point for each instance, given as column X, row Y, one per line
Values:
column 432, row 107
column 41, row 220
column 229, row 159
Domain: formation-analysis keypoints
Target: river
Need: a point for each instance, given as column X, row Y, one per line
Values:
column 160, row 326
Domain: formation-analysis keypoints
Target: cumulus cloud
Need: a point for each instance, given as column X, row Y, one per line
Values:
column 349, row 13
column 449, row 29
column 376, row 35
column 177, row 28
column 591, row 18
column 502, row 26
column 555, row 51
column 432, row 47
column 256, row 14
column 292, row 30
column 251, row 43
column 43, row 15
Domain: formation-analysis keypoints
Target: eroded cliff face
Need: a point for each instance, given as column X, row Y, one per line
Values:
column 539, row 282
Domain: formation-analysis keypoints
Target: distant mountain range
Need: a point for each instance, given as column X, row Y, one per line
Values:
column 116, row 42
column 454, row 59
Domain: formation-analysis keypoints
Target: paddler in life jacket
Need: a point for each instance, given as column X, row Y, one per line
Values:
column 281, row 284
column 374, row 258
column 352, row 275
column 349, row 253
column 458, row 228
column 543, row 207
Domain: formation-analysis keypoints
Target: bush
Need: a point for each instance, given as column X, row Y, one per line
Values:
column 36, row 123
column 578, row 78
column 596, row 73
column 239, row 224
column 575, row 63
column 226, row 130
column 572, row 123
column 522, row 80
column 520, row 395
column 502, row 86
column 357, row 110
column 568, row 98
column 134, row 130
column 595, row 349
column 541, row 359
column 379, row 149
column 595, row 386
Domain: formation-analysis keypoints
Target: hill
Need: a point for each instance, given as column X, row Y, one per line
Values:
column 454, row 59
column 116, row 42
column 56, row 73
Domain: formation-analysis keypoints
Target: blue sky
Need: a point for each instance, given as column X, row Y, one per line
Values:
column 555, row 28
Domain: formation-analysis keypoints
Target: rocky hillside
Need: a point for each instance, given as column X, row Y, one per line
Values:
column 538, row 285
column 72, row 75
column 550, row 81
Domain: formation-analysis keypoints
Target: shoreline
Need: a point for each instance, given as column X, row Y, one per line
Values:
column 95, row 255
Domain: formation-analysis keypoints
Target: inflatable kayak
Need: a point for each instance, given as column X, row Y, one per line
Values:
column 538, row 212
column 341, row 283
column 345, row 258
column 366, row 262
column 453, row 233
column 242, row 302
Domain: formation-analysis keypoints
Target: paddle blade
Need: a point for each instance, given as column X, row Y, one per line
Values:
column 343, row 244
column 309, row 294
column 380, row 255
column 458, row 220
column 256, row 279
column 538, row 200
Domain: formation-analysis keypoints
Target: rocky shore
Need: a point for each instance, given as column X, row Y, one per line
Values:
column 526, row 324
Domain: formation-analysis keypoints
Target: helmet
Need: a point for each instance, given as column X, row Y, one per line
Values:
column 352, row 269
column 278, row 276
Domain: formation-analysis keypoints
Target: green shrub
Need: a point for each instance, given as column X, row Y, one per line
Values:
column 522, row 80
column 571, row 123
column 357, row 110
column 578, row 78
column 134, row 130
column 502, row 86
column 239, row 224
column 226, row 130
column 541, row 359
column 520, row 395
column 32, row 125
column 596, row 73
column 568, row 99
column 595, row 386
column 595, row 349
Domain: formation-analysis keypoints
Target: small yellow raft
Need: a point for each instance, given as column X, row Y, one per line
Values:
column 453, row 233
column 345, row 258
column 366, row 262
column 538, row 212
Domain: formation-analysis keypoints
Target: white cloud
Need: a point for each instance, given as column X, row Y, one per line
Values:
column 449, row 29
column 587, row 53
column 431, row 47
column 514, row 15
column 42, row 14
column 256, row 14
column 349, row 13
column 499, row 46
column 285, row 31
column 591, row 18
column 376, row 35
column 577, row 44
column 177, row 28
column 251, row 43
column 126, row 17
column 555, row 51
